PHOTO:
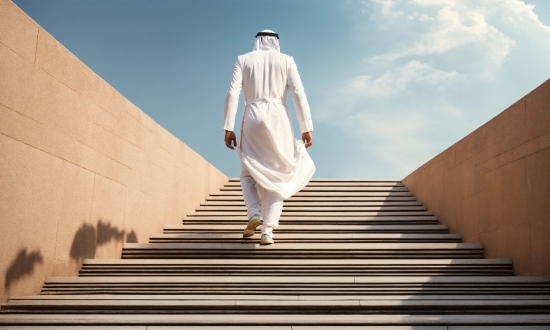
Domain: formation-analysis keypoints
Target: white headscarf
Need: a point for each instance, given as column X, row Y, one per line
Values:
column 266, row 43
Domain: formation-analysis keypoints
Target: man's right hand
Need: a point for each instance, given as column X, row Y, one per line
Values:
column 307, row 137
column 230, row 140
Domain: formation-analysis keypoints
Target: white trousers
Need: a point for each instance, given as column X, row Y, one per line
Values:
column 267, row 204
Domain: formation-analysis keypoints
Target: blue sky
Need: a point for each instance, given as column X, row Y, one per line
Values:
column 391, row 83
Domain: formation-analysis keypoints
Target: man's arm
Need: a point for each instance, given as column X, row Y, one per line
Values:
column 232, row 102
column 299, row 99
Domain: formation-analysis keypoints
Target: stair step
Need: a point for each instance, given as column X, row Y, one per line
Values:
column 306, row 285
column 252, row 297
column 319, row 267
column 333, row 181
column 337, row 184
column 318, row 209
column 313, row 199
column 303, row 250
column 285, row 266
column 335, row 214
column 315, row 204
column 306, row 238
column 311, row 222
column 237, row 179
column 269, row 305
column 291, row 321
column 340, row 218
column 318, row 228
column 331, row 194
column 324, row 217
column 306, row 262
column 375, row 281
column 338, row 188
column 172, row 271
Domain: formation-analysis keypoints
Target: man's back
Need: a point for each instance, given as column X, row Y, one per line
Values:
column 265, row 74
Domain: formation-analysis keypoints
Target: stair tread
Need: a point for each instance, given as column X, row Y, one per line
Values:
column 302, row 262
column 314, row 199
column 290, row 208
column 314, row 235
column 338, row 188
column 307, row 279
column 333, row 194
column 344, row 217
column 338, row 184
column 194, row 303
column 410, row 210
column 305, row 246
column 293, row 319
column 309, row 228
column 175, row 297
column 294, row 204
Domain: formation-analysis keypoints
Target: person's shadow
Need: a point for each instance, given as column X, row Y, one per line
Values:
column 85, row 243
column 88, row 238
column 22, row 265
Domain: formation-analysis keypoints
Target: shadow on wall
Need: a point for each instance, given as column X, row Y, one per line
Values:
column 22, row 265
column 88, row 238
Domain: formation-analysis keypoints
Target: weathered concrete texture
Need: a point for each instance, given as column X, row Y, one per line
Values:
column 82, row 170
column 493, row 186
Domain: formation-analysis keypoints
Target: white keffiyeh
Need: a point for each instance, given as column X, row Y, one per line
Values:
column 266, row 43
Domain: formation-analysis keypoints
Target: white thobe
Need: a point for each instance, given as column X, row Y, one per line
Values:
column 269, row 153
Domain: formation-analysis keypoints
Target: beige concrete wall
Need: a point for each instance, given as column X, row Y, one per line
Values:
column 493, row 186
column 82, row 170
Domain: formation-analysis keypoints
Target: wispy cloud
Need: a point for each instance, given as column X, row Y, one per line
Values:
column 427, row 86
column 398, row 79
column 450, row 26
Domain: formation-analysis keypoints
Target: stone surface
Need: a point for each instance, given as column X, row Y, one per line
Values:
column 537, row 106
column 494, row 186
column 82, row 169
column 510, row 128
column 29, row 180
column 73, row 213
column 17, row 31
column 15, row 74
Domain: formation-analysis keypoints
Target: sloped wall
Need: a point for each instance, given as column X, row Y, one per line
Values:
column 493, row 186
column 82, row 170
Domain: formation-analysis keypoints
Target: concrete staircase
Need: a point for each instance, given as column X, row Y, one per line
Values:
column 348, row 254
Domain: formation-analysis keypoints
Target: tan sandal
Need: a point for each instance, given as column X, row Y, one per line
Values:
column 253, row 223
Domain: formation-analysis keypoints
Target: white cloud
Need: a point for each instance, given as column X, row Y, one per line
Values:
column 443, row 68
column 402, row 138
column 387, row 8
column 397, row 80
column 452, row 25
column 523, row 13
column 390, row 137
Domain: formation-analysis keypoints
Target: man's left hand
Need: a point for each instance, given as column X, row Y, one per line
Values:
column 307, row 137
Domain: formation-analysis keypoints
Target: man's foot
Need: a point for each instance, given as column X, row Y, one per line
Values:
column 253, row 223
column 266, row 239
